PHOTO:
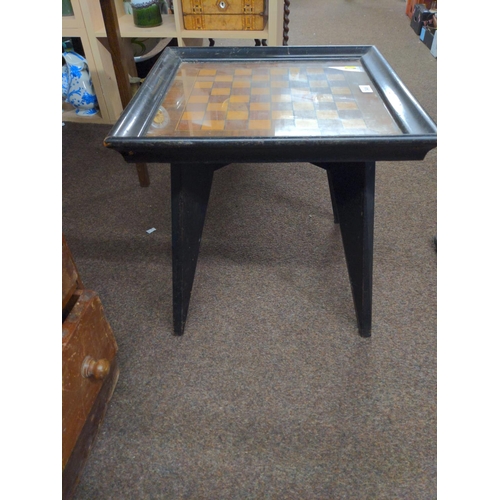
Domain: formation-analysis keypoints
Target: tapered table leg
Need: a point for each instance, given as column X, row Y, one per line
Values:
column 332, row 197
column 352, row 187
column 190, row 185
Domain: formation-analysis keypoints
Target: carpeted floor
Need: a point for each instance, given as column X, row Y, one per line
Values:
column 271, row 392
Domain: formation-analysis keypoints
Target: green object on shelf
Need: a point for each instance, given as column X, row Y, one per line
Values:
column 67, row 9
column 147, row 13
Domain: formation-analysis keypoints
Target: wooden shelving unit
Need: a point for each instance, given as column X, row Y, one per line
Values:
column 88, row 25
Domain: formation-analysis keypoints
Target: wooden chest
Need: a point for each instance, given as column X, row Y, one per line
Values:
column 224, row 15
column 89, row 370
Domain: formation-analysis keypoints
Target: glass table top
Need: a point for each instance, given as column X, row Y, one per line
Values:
column 272, row 99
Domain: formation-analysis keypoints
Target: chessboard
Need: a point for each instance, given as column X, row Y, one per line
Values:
column 272, row 99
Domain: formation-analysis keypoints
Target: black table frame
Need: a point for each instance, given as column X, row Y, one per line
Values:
column 348, row 160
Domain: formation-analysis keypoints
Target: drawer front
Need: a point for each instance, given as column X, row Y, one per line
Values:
column 224, row 22
column 87, row 341
column 247, row 7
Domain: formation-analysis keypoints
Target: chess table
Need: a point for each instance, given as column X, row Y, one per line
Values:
column 341, row 108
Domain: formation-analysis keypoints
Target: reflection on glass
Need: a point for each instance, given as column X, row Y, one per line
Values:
column 271, row 99
column 67, row 9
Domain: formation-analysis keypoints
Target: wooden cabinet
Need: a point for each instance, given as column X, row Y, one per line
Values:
column 88, row 25
column 240, row 15
column 89, row 370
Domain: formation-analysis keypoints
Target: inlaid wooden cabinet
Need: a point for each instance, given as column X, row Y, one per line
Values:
column 241, row 15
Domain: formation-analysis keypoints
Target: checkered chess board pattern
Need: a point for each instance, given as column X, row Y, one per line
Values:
column 292, row 99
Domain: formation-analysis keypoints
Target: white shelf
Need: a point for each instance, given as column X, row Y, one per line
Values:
column 88, row 25
column 69, row 23
column 71, row 116
column 129, row 30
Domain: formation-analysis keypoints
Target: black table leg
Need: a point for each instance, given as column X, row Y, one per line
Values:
column 190, row 184
column 190, row 187
column 332, row 197
column 352, row 187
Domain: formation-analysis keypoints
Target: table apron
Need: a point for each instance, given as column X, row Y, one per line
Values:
column 254, row 152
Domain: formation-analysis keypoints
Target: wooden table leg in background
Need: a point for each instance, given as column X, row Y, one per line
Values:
column 143, row 174
column 286, row 21
column 124, row 65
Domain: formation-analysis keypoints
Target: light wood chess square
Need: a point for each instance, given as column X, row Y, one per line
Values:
column 259, row 124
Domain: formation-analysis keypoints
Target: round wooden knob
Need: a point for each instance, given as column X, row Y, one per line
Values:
column 98, row 369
